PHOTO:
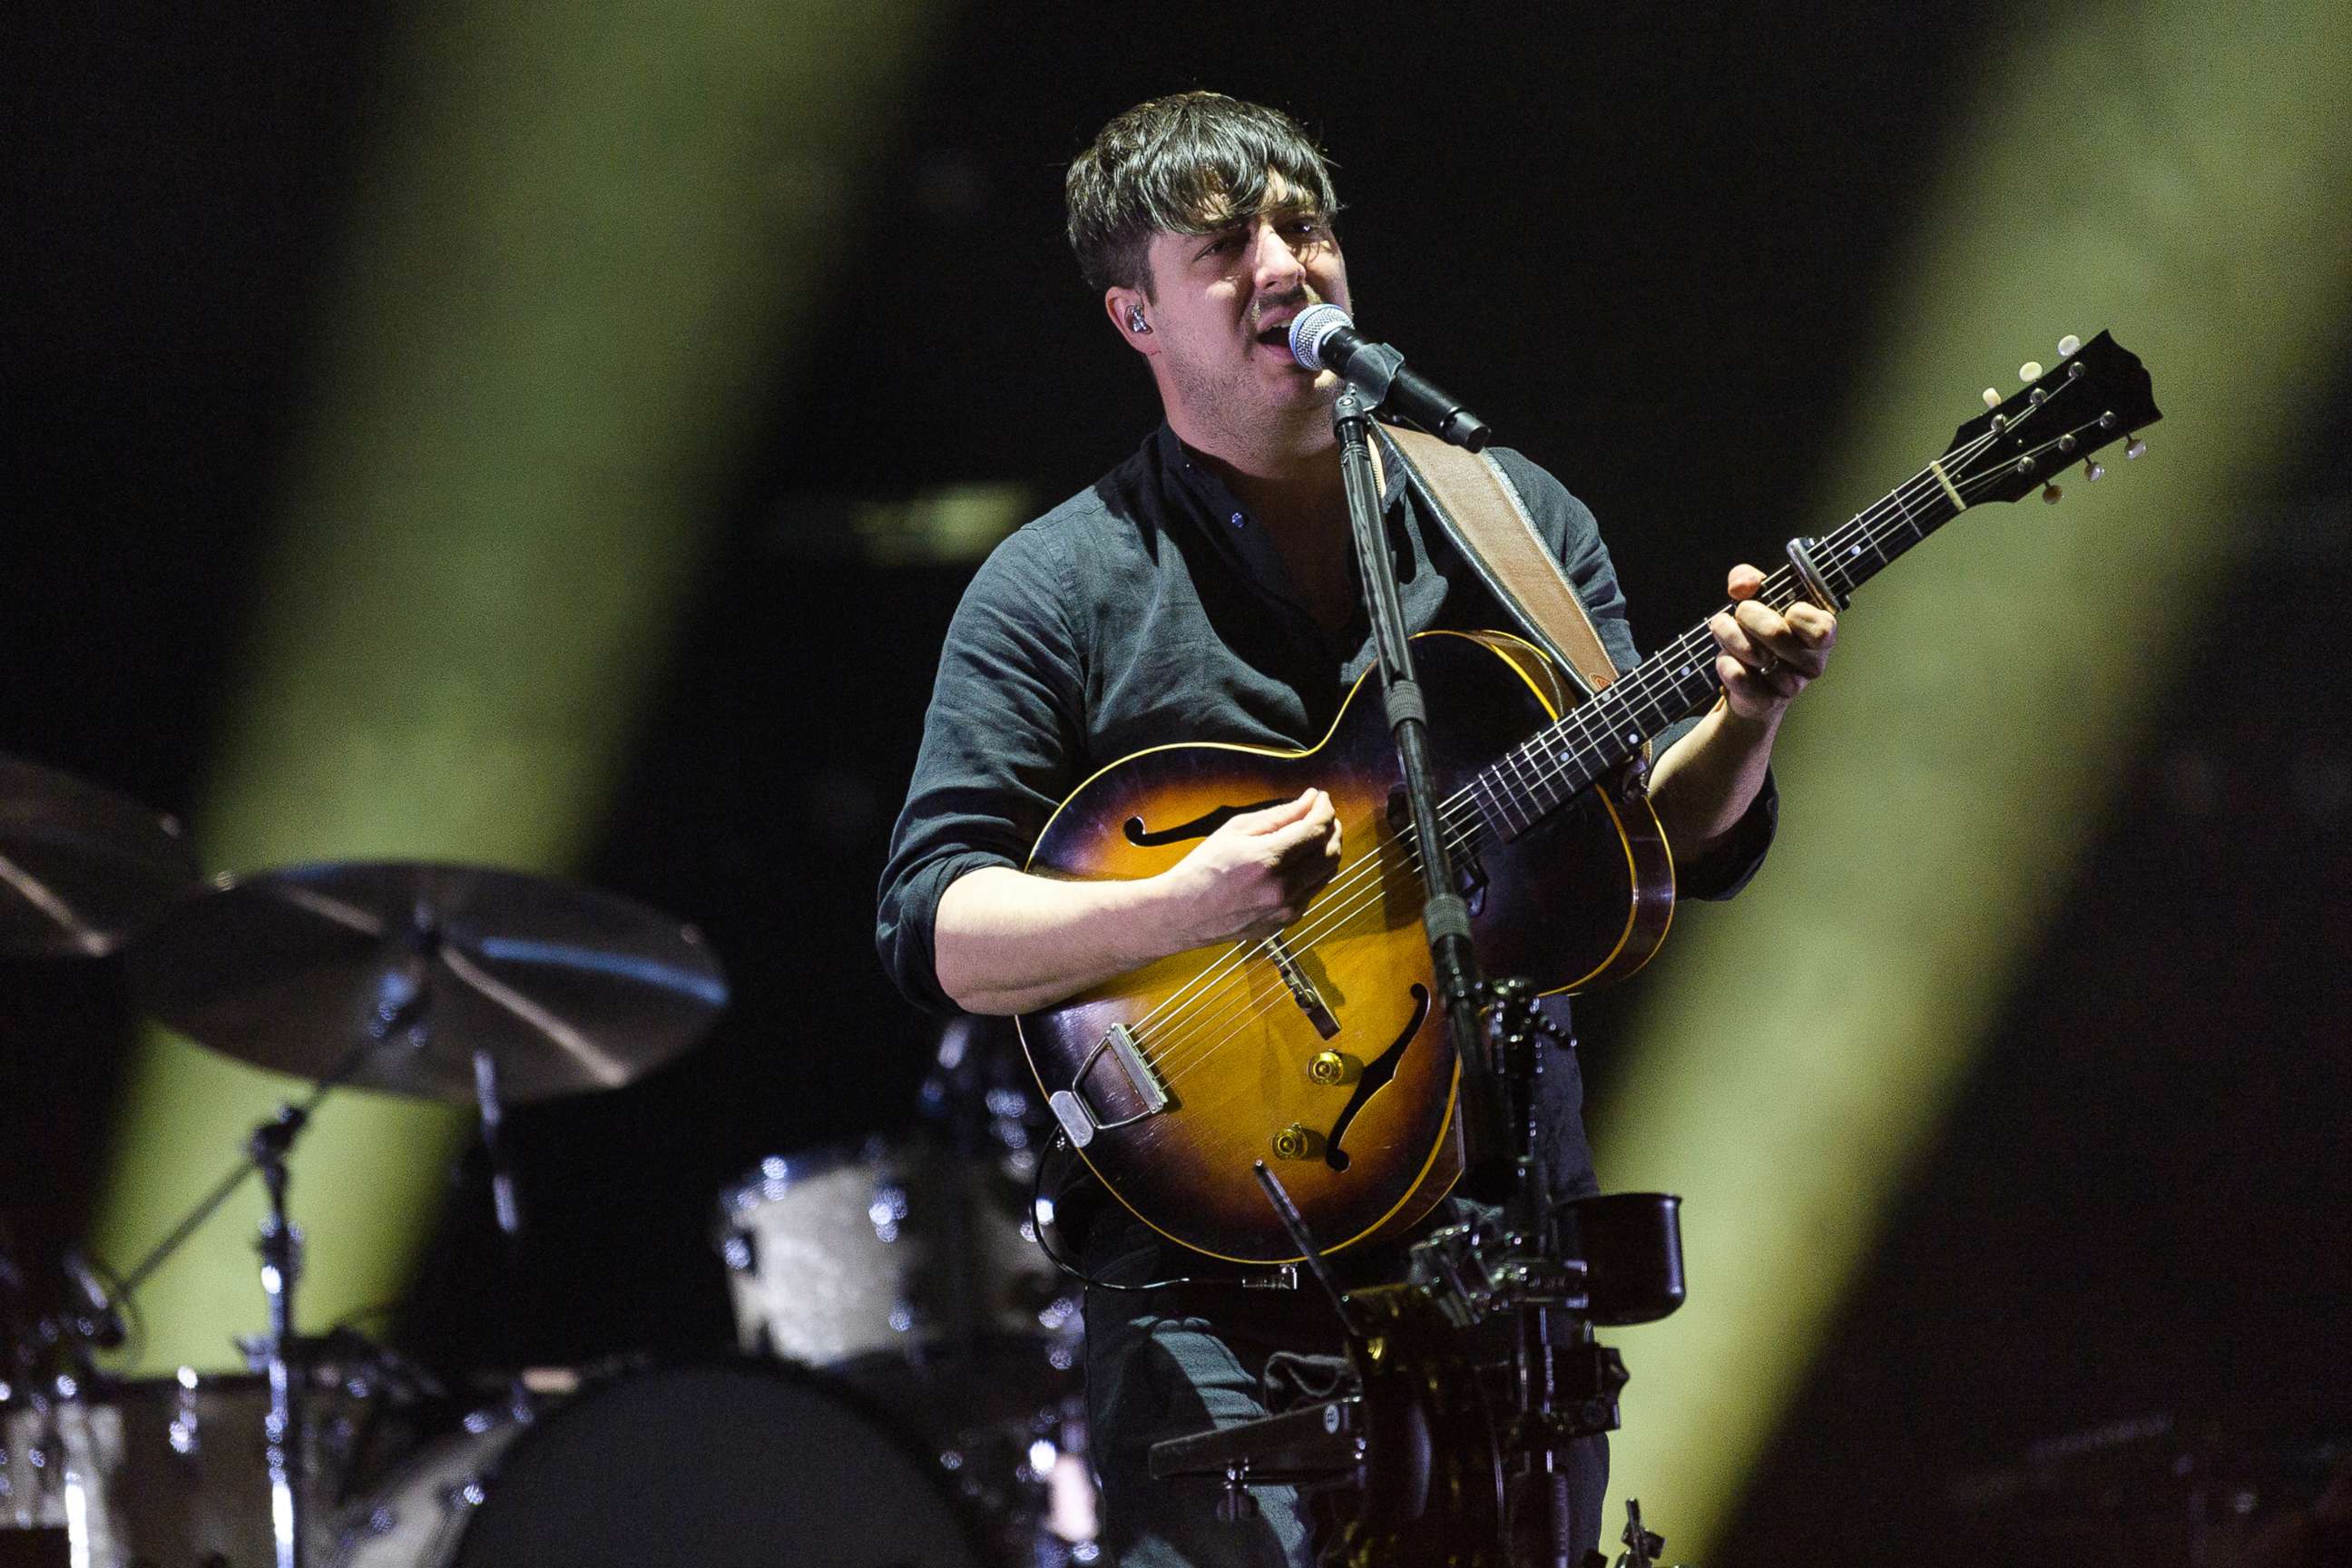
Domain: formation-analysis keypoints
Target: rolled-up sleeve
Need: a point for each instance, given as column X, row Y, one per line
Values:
column 1000, row 740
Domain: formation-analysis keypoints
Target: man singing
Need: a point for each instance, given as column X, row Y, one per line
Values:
column 1205, row 589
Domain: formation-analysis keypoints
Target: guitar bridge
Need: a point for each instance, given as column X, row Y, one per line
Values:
column 1078, row 1119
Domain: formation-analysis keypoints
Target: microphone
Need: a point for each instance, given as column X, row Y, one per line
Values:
column 1323, row 338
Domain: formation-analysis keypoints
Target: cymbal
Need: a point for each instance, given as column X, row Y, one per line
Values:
column 81, row 867
column 568, row 988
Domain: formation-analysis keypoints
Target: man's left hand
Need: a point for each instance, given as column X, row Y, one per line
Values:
column 1767, row 658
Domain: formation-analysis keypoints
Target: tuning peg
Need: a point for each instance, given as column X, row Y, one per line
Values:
column 2134, row 450
column 2029, row 371
column 2051, row 492
column 2067, row 345
column 1991, row 397
column 2093, row 470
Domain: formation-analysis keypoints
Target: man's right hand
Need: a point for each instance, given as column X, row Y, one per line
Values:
column 1256, row 872
column 1007, row 941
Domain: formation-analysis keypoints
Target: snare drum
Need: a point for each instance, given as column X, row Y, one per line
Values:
column 174, row 1473
column 732, row 1465
column 894, row 1248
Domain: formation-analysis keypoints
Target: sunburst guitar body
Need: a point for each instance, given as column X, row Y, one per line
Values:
column 1323, row 1051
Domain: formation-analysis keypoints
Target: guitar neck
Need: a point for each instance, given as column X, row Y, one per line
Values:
column 1532, row 780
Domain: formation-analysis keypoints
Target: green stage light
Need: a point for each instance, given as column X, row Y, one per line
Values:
column 590, row 242
column 2177, row 173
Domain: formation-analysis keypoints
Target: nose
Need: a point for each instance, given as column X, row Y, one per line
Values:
column 1279, row 267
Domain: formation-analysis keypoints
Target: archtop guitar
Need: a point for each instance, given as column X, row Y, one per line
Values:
column 1320, row 1049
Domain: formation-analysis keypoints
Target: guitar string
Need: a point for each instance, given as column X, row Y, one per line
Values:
column 1670, row 675
column 1463, row 809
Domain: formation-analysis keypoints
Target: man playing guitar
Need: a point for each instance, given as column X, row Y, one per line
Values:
column 1204, row 591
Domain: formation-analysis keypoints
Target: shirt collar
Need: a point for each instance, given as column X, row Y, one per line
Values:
column 1200, row 482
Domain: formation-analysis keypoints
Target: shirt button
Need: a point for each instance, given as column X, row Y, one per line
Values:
column 1240, row 521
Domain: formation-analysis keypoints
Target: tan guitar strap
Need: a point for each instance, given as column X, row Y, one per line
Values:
column 1479, row 506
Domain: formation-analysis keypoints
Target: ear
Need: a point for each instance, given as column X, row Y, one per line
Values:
column 1126, row 308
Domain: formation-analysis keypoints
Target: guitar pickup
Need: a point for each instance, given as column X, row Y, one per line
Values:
column 1078, row 1119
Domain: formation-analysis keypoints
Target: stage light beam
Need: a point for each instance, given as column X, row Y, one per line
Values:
column 588, row 243
column 2174, row 172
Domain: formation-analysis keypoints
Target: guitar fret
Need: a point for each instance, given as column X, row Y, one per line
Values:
column 1539, row 771
column 1918, row 534
column 1520, row 796
column 1484, row 798
column 1537, row 765
column 1837, row 573
column 1498, row 789
column 1868, row 541
column 1533, row 775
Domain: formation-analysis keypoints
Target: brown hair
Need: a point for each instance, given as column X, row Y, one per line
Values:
column 1184, row 164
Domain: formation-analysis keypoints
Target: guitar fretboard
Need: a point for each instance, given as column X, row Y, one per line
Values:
column 1543, row 773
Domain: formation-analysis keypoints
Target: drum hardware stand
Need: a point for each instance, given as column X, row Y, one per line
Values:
column 401, row 1010
column 281, row 1267
column 962, row 1103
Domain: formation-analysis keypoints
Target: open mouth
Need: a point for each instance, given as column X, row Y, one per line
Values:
column 1277, row 337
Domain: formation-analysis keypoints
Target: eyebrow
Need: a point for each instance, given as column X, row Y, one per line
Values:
column 1282, row 213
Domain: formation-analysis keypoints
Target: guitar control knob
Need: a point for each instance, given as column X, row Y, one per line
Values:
column 2093, row 469
column 1327, row 1067
column 2051, row 492
column 1294, row 1143
column 2138, row 449
column 2068, row 345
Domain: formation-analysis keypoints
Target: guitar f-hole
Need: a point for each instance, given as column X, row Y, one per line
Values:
column 1376, row 1076
column 1200, row 826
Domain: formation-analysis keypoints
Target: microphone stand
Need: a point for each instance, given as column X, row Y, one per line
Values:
column 1501, row 1153
column 1487, row 1143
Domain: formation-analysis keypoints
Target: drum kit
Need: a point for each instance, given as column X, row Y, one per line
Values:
column 903, row 1388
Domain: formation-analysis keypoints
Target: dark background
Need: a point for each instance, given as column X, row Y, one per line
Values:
column 2139, row 1207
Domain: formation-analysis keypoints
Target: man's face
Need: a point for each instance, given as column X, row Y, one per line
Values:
column 1222, row 312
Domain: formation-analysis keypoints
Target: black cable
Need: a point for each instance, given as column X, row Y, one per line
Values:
column 1037, row 1192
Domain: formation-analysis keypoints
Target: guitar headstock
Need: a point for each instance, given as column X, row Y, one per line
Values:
column 2097, row 394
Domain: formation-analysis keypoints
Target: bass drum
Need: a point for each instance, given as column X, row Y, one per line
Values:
column 735, row 1464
